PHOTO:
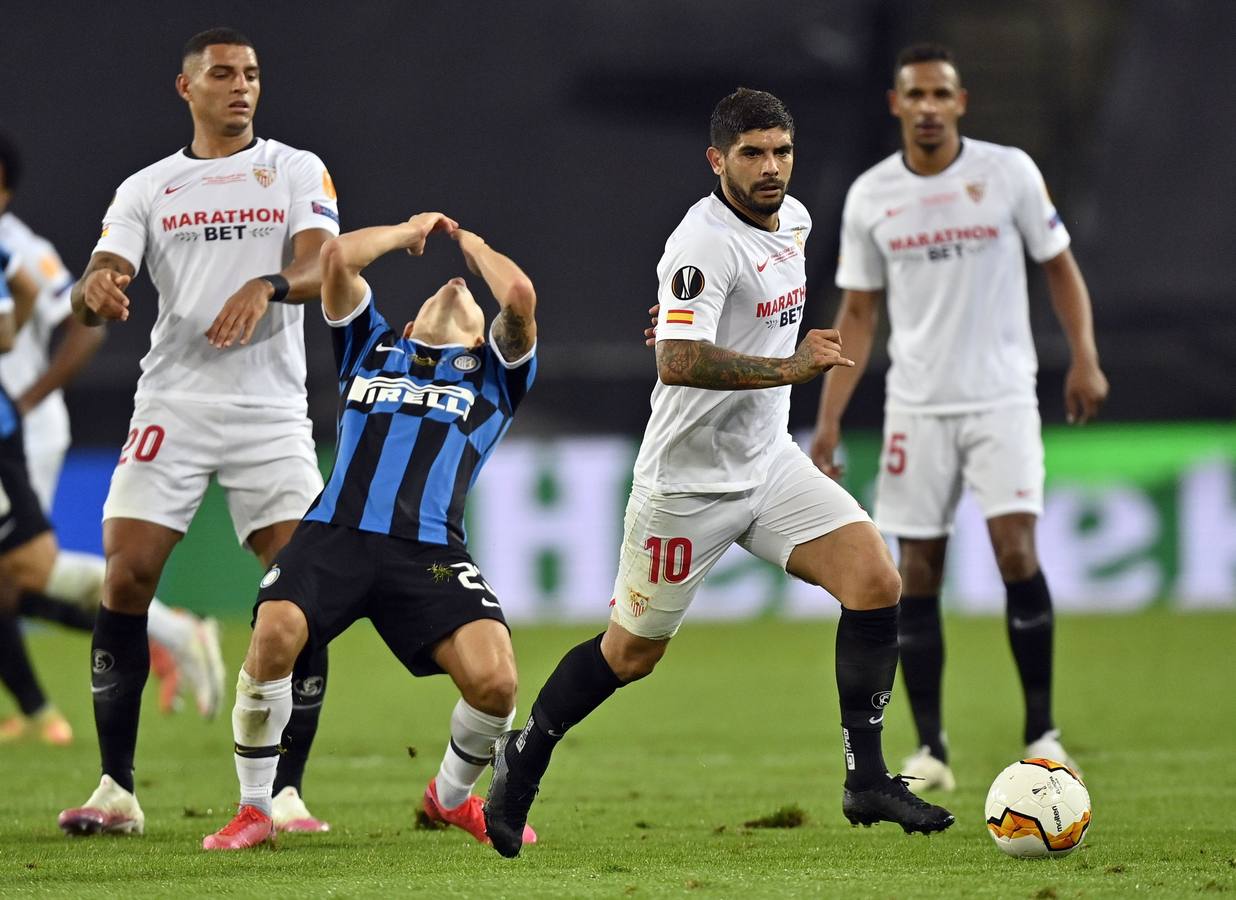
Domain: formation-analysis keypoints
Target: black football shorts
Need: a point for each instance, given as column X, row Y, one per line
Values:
column 415, row 594
column 21, row 513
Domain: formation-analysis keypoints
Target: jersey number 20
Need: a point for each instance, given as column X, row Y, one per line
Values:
column 148, row 444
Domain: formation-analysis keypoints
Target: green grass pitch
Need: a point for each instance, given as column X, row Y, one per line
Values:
column 648, row 798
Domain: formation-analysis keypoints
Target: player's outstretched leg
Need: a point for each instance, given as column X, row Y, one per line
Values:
column 866, row 666
column 308, row 692
column 582, row 681
column 448, row 796
column 262, row 710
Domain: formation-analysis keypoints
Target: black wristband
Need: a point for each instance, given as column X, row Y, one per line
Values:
column 280, row 284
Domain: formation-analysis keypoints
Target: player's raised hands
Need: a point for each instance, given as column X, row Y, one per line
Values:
column 819, row 351
column 104, row 294
column 1085, row 389
column 422, row 225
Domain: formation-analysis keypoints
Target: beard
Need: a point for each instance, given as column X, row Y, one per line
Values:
column 748, row 199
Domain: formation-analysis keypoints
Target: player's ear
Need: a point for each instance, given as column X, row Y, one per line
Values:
column 407, row 330
column 963, row 97
column 182, row 86
column 715, row 159
column 892, row 102
column 479, row 342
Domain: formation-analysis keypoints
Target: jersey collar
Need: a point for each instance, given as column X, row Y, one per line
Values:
column 742, row 217
column 188, row 151
column 961, row 148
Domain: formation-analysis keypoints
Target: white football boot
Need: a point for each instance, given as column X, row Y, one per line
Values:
column 1048, row 746
column 110, row 810
column 290, row 813
column 201, row 666
column 929, row 773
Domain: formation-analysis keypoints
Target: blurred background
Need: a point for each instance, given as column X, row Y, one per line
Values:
column 572, row 135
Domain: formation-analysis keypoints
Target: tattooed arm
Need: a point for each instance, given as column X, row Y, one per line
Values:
column 514, row 328
column 701, row 364
column 99, row 293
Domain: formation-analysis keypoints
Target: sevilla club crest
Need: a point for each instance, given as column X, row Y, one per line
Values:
column 264, row 175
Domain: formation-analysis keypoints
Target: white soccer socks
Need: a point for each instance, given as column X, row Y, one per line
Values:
column 468, row 753
column 262, row 711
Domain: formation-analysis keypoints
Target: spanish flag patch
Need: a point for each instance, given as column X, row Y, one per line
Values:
column 680, row 317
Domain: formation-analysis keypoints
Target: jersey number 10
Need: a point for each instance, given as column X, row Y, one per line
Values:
column 672, row 555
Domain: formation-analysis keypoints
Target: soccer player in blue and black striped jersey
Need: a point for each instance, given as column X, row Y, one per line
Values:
column 420, row 410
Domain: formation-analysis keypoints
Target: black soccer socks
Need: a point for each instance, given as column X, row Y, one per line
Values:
column 308, row 692
column 921, row 643
column 1030, row 625
column 16, row 673
column 866, row 666
column 120, row 663
column 582, row 681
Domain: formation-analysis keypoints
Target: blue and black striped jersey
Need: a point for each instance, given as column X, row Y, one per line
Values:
column 416, row 423
column 10, row 420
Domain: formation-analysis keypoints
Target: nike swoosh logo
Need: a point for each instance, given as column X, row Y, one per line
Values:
column 171, row 190
column 485, row 602
column 874, row 721
column 94, row 689
column 388, row 350
column 760, row 267
column 1023, row 624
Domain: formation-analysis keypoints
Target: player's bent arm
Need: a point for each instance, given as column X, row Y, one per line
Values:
column 514, row 328
column 857, row 319
column 1085, row 386
column 702, row 364
column 77, row 345
column 99, row 293
column 343, row 258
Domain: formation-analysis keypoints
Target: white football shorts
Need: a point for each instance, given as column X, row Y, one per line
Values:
column 927, row 459
column 262, row 458
column 44, row 467
column 671, row 541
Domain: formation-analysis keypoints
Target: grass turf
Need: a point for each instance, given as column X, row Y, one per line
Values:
column 649, row 796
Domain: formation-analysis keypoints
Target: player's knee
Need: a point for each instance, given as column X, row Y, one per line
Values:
column 494, row 693
column 880, row 588
column 1017, row 561
column 633, row 662
column 128, row 585
column 278, row 638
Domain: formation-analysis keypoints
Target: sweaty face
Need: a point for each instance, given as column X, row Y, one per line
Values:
column 928, row 99
column 451, row 316
column 222, row 85
column 756, row 169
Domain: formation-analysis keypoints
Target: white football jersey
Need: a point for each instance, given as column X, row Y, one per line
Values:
column 949, row 250
column 46, row 427
column 726, row 281
column 205, row 227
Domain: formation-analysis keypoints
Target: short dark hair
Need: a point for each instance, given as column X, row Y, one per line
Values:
column 10, row 163
column 203, row 39
column 746, row 110
column 921, row 53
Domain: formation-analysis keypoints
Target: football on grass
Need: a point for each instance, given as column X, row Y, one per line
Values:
column 1037, row 808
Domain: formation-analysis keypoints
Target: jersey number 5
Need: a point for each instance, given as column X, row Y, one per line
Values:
column 148, row 444
column 672, row 555
column 896, row 453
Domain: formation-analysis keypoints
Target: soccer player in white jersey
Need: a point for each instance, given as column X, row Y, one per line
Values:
column 717, row 467
column 941, row 229
column 33, row 375
column 229, row 228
